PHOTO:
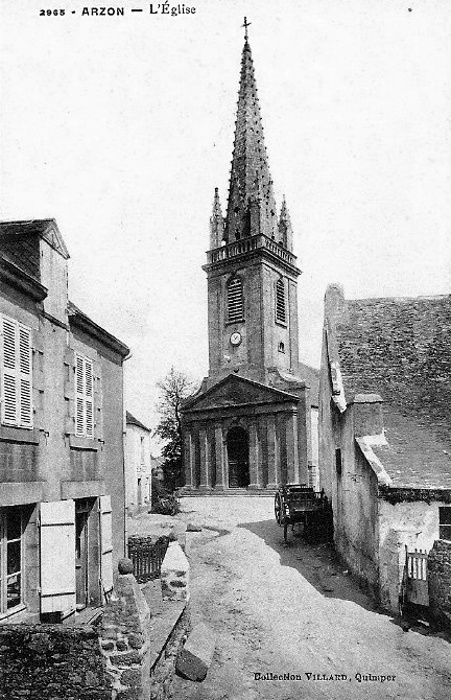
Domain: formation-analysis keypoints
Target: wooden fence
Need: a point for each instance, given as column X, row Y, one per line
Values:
column 416, row 563
column 414, row 587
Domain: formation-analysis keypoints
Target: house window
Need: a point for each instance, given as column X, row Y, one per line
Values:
column 444, row 515
column 142, row 450
column 281, row 313
column 84, row 397
column 16, row 375
column 235, row 300
column 11, row 530
column 281, row 347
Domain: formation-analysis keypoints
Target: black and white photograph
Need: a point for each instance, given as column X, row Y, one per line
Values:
column 225, row 350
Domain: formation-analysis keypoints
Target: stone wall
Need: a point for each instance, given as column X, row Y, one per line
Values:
column 130, row 656
column 52, row 662
column 439, row 576
column 125, row 640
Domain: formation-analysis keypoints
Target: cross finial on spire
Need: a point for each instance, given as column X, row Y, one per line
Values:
column 246, row 25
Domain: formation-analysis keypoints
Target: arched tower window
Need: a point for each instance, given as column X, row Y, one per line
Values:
column 235, row 300
column 281, row 310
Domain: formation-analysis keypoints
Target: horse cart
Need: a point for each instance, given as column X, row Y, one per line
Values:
column 294, row 503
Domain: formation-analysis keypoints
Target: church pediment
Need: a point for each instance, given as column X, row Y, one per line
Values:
column 236, row 391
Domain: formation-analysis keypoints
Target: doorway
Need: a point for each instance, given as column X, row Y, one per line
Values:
column 82, row 510
column 238, row 458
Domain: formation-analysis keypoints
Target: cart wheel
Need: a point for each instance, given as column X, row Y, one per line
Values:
column 278, row 508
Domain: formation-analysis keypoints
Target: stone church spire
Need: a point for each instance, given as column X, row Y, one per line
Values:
column 285, row 230
column 251, row 207
column 216, row 223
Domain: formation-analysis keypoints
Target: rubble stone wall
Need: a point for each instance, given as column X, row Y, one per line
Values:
column 439, row 577
column 130, row 656
column 125, row 640
column 51, row 662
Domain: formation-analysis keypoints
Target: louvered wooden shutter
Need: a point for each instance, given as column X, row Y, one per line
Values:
column 106, row 546
column 79, row 396
column 280, row 302
column 9, row 373
column 84, row 397
column 26, row 415
column 57, row 556
column 89, row 395
column 235, row 306
column 17, row 406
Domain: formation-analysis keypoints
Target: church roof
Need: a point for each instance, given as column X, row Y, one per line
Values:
column 310, row 375
column 234, row 390
column 250, row 179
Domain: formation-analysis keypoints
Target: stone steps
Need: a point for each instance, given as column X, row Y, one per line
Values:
column 183, row 493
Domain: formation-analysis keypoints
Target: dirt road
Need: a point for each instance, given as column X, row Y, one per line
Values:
column 290, row 610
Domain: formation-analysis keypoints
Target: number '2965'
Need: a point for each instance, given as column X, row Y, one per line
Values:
column 48, row 13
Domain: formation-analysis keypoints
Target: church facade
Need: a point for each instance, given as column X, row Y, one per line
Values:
column 249, row 425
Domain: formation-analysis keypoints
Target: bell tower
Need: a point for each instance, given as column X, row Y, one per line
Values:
column 251, row 268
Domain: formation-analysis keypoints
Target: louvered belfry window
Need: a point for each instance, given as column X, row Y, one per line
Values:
column 235, row 300
column 16, row 364
column 281, row 311
column 84, row 397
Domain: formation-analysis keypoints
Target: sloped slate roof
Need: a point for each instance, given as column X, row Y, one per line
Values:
column 131, row 420
column 415, row 456
column 400, row 348
column 44, row 228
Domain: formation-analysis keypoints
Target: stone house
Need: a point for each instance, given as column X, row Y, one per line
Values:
column 138, row 468
column 62, row 511
column 385, row 431
column 249, row 426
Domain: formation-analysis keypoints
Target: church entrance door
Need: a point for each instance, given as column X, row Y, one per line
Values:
column 238, row 457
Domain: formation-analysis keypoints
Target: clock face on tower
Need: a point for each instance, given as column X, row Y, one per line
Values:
column 235, row 338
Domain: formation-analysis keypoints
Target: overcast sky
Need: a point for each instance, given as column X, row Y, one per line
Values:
column 121, row 127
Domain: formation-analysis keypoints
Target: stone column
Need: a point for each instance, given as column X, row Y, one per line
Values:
column 221, row 477
column 255, row 458
column 273, row 453
column 190, row 474
column 205, row 479
column 292, row 448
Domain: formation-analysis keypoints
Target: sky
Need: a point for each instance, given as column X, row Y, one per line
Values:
column 120, row 128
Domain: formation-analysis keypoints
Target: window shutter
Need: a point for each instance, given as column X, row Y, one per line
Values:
column 79, row 396
column 106, row 546
column 9, row 373
column 280, row 301
column 57, row 556
column 89, row 393
column 235, row 306
column 84, row 397
column 26, row 415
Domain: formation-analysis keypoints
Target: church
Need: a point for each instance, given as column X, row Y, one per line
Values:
column 249, row 427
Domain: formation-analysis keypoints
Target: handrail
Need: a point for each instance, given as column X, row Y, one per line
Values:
column 247, row 245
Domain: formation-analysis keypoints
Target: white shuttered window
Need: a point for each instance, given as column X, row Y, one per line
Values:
column 16, row 375
column 84, row 397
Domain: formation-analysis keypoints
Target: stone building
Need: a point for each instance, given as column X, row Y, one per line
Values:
column 385, row 437
column 249, row 426
column 62, row 515
column 138, row 469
